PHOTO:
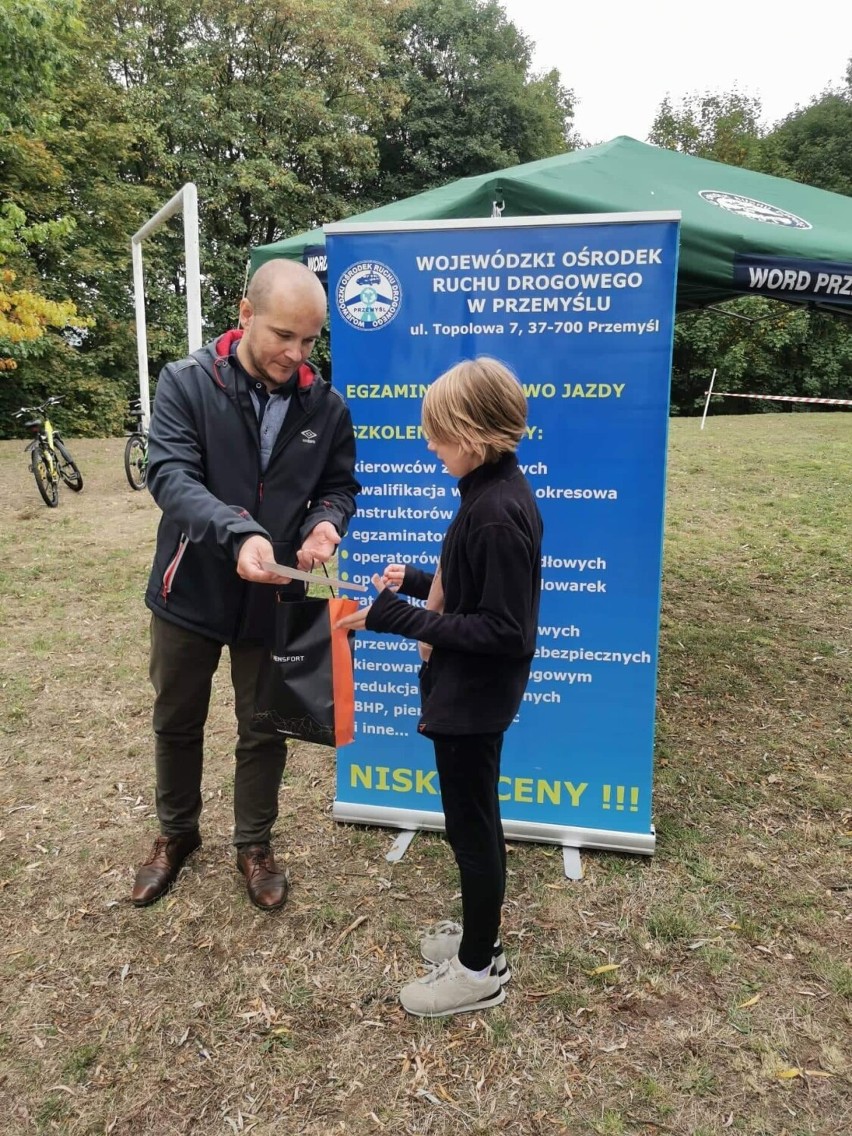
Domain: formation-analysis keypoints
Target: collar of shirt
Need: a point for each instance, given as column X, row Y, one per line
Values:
column 257, row 389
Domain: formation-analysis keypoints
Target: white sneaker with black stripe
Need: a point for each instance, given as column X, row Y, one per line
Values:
column 451, row 989
column 442, row 942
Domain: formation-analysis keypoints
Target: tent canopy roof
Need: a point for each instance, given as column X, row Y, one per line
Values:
column 727, row 213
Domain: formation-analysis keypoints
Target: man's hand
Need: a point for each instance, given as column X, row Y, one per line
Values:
column 357, row 621
column 319, row 547
column 254, row 552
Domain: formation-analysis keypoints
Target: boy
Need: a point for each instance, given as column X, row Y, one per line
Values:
column 479, row 628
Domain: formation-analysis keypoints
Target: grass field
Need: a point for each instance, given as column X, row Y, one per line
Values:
column 729, row 1008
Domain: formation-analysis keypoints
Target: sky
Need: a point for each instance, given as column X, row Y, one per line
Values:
column 622, row 57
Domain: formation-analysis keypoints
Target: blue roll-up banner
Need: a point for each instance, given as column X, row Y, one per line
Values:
column 582, row 310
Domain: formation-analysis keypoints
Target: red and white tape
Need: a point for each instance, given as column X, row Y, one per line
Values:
column 784, row 398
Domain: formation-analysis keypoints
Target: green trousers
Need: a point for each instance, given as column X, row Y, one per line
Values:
column 182, row 665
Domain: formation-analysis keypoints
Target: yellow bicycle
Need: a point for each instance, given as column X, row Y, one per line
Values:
column 49, row 456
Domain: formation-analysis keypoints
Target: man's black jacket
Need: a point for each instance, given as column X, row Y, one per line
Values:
column 204, row 473
column 485, row 638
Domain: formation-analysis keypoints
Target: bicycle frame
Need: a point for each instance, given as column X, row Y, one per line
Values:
column 49, row 458
column 44, row 439
column 136, row 450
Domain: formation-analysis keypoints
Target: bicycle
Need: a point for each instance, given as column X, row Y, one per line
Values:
column 49, row 456
column 136, row 450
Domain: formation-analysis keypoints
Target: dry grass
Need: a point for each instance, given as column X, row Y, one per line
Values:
column 729, row 1010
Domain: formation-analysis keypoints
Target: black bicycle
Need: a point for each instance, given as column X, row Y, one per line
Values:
column 136, row 450
column 49, row 456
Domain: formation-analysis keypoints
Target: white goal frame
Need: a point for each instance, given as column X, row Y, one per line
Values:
column 184, row 201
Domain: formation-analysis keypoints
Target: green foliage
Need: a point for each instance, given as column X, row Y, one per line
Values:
column 471, row 103
column 287, row 114
column 760, row 346
column 25, row 314
column 37, row 39
column 270, row 109
column 36, row 36
column 91, row 408
column 722, row 127
column 814, row 145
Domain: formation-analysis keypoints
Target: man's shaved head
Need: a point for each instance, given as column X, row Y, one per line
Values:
column 278, row 280
column 282, row 316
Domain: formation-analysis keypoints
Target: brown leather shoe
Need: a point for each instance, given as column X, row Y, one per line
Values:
column 160, row 870
column 266, row 886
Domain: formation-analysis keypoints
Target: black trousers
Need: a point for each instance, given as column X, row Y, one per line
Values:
column 468, row 771
column 182, row 665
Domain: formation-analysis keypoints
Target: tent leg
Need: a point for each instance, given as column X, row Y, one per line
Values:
column 709, row 396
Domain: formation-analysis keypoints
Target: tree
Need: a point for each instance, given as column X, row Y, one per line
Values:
column 35, row 35
column 756, row 345
column 24, row 314
column 270, row 108
column 723, row 127
column 38, row 39
column 814, row 144
column 471, row 103
column 760, row 346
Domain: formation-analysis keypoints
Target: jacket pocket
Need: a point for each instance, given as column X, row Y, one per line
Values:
column 171, row 569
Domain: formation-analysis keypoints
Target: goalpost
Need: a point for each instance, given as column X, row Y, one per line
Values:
column 184, row 201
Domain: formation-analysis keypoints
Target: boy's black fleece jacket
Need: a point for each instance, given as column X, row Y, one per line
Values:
column 204, row 472
column 484, row 640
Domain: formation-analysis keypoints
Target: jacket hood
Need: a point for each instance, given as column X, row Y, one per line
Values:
column 213, row 355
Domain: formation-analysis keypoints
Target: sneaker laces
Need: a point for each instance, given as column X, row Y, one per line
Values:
column 444, row 927
column 438, row 972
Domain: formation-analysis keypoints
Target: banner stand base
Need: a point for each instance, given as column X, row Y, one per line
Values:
column 400, row 845
column 412, row 820
column 571, row 862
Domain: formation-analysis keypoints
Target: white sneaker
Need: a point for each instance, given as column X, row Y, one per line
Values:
column 451, row 989
column 442, row 942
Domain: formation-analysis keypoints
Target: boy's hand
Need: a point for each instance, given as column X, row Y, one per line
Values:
column 357, row 621
column 393, row 576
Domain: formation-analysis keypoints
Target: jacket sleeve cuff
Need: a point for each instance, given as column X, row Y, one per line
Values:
column 238, row 539
column 379, row 608
column 316, row 517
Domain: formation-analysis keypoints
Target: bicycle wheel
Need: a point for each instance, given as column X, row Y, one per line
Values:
column 136, row 461
column 45, row 477
column 68, row 468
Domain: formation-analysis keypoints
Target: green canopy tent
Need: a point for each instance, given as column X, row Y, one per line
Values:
column 742, row 233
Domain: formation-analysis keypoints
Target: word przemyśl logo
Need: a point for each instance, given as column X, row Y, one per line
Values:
column 753, row 210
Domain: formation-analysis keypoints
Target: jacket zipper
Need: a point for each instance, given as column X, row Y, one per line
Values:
column 280, row 443
column 172, row 567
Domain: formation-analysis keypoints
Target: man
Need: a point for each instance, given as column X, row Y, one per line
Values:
column 252, row 459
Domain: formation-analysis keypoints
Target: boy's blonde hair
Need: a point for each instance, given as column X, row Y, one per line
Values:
column 478, row 404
